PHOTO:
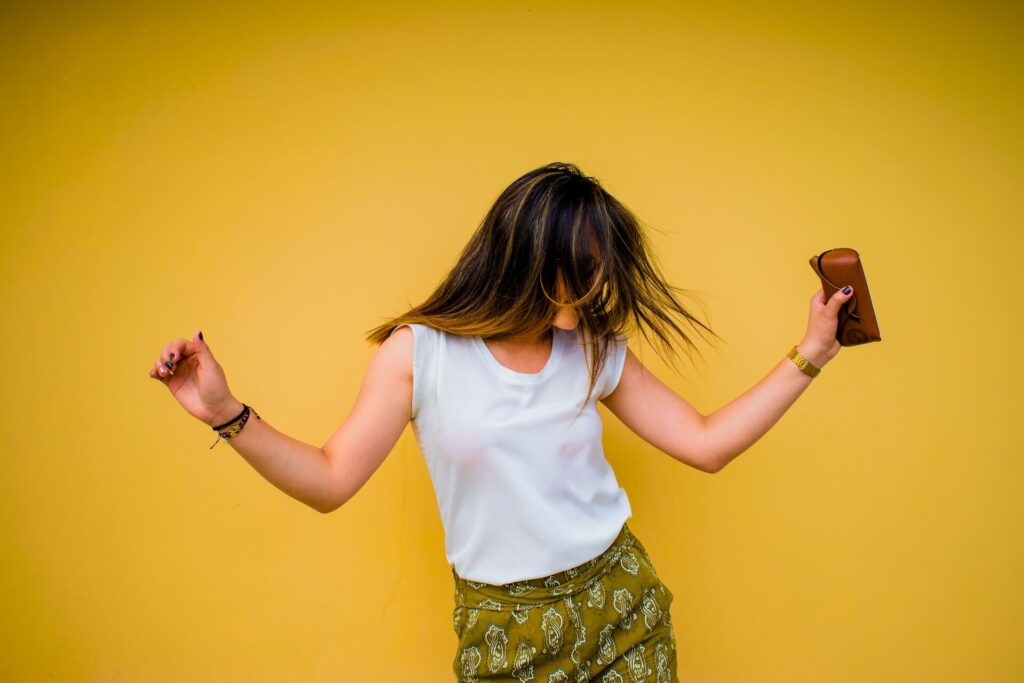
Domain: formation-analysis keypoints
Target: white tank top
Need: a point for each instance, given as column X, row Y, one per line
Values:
column 522, row 483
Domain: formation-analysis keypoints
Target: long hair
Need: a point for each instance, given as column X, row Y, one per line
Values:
column 542, row 226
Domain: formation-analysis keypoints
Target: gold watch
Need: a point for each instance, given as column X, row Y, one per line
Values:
column 805, row 365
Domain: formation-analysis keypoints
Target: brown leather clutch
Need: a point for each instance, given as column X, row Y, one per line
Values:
column 840, row 267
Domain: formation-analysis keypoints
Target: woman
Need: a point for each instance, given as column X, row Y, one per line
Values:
column 500, row 371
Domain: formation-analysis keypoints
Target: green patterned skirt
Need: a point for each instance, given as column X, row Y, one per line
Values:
column 605, row 620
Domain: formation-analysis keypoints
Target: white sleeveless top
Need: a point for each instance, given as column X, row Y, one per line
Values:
column 522, row 484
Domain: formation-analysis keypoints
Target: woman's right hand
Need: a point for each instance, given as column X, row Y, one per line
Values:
column 196, row 380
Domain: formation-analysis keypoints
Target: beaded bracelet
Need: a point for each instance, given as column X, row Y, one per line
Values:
column 231, row 428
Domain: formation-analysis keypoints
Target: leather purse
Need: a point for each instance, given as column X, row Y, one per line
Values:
column 840, row 267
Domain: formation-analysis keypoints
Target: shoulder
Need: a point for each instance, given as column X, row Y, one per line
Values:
column 397, row 349
column 411, row 348
column 415, row 342
column 414, row 331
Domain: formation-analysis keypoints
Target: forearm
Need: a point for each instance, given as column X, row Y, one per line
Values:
column 736, row 426
column 299, row 469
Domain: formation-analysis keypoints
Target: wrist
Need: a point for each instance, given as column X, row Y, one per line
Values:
column 812, row 353
column 229, row 410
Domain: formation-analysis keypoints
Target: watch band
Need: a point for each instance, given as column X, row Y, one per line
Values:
column 806, row 366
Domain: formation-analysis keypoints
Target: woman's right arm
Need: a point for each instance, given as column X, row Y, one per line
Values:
column 324, row 478
column 378, row 417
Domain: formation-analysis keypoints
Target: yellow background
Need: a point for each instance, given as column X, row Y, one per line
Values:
column 285, row 177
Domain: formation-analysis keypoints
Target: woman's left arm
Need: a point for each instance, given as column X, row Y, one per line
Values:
column 736, row 426
column 710, row 442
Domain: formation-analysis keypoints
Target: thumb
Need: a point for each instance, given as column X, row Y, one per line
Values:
column 837, row 300
column 200, row 344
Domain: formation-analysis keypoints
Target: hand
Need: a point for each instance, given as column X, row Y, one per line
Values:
column 196, row 380
column 819, row 344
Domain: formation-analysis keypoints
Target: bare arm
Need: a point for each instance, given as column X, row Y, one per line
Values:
column 325, row 478
column 659, row 416
column 710, row 442
column 707, row 442
column 382, row 410
column 736, row 426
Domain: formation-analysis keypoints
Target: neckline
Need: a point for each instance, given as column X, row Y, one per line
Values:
column 515, row 375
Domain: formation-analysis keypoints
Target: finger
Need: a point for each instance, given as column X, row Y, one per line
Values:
column 184, row 348
column 838, row 299
column 173, row 353
column 168, row 360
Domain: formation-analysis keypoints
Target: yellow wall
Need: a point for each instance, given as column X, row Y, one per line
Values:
column 286, row 177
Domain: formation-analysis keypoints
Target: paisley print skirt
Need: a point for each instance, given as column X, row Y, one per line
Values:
column 605, row 620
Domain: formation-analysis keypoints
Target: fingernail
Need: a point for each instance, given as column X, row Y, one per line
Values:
column 169, row 365
column 172, row 356
column 846, row 290
column 201, row 335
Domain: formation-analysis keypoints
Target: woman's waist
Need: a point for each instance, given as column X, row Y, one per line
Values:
column 544, row 589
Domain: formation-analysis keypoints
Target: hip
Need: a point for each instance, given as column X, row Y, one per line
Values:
column 610, row 613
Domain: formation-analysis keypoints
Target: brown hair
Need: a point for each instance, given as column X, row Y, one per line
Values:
column 542, row 226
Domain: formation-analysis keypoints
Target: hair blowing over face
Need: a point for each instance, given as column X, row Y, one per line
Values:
column 550, row 221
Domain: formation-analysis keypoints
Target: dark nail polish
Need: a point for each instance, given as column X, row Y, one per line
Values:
column 201, row 335
column 172, row 356
column 846, row 290
column 169, row 365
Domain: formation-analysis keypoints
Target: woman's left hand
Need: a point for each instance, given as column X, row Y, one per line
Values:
column 819, row 344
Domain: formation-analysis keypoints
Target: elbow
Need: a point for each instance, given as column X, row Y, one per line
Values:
column 322, row 507
column 333, row 494
column 328, row 506
column 699, row 460
column 713, row 458
column 334, row 501
column 717, row 462
column 711, row 465
column 709, row 457
column 327, row 503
